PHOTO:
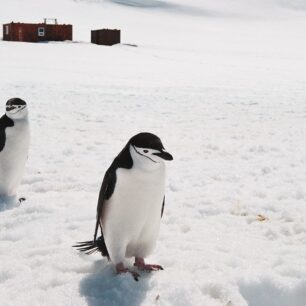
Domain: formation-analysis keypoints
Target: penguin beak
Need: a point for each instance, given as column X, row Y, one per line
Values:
column 164, row 155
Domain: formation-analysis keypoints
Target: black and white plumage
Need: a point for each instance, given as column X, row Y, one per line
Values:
column 131, row 203
column 14, row 145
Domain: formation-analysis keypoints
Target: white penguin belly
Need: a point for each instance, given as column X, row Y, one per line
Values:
column 131, row 217
column 13, row 157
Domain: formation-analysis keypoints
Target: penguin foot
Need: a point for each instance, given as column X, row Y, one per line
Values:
column 121, row 269
column 141, row 265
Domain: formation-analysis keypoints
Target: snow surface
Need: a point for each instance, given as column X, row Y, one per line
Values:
column 223, row 84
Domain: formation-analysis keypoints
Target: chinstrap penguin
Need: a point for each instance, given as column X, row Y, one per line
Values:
column 131, row 204
column 14, row 146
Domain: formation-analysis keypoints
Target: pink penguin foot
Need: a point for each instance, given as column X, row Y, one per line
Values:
column 121, row 269
column 141, row 265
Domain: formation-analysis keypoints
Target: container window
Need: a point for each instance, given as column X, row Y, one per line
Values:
column 6, row 30
column 41, row 31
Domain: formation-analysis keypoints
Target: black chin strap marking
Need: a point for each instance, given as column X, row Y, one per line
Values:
column 144, row 155
column 18, row 109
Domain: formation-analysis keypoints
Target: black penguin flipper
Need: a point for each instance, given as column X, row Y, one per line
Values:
column 106, row 191
column 5, row 122
column 163, row 207
column 123, row 160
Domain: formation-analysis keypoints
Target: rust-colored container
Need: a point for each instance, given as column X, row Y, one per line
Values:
column 36, row 32
column 105, row 37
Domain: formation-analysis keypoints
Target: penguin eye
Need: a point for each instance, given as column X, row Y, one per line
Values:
column 145, row 151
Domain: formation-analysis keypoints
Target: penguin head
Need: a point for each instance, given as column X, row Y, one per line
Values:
column 147, row 149
column 16, row 108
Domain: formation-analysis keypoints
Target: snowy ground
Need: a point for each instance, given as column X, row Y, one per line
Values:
column 223, row 85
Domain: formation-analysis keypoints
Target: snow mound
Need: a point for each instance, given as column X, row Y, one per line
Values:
column 266, row 291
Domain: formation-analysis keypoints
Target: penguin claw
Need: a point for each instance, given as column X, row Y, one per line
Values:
column 134, row 274
column 121, row 269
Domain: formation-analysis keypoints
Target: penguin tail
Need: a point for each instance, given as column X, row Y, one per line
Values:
column 92, row 246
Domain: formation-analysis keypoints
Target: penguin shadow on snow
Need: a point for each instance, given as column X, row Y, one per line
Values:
column 105, row 287
column 8, row 202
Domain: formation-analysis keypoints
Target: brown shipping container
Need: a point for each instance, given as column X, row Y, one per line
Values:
column 106, row 37
column 36, row 32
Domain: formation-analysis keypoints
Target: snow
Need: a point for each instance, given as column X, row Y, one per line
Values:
column 223, row 84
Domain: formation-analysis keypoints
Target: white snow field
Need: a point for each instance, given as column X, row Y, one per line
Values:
column 223, row 83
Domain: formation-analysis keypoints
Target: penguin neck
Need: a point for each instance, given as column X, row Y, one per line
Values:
column 143, row 163
column 23, row 117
